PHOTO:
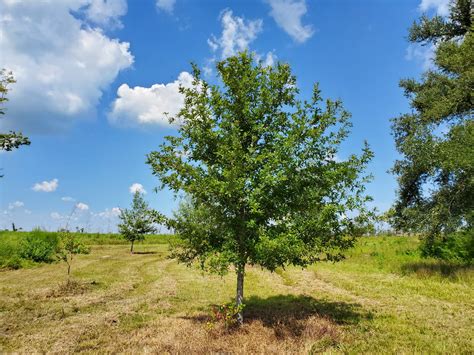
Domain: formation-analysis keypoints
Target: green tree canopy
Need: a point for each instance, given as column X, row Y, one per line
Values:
column 137, row 221
column 436, row 140
column 10, row 140
column 260, row 172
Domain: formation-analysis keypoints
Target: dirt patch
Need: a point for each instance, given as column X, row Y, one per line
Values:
column 71, row 288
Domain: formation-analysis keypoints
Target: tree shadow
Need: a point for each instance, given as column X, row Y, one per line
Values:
column 291, row 315
column 438, row 268
column 282, row 309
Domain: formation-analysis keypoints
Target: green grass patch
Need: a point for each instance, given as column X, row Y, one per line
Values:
column 383, row 298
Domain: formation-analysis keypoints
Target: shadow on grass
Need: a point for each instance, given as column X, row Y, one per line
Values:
column 145, row 252
column 436, row 268
column 284, row 309
column 292, row 316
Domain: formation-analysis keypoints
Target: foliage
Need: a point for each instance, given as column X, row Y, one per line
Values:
column 136, row 221
column 69, row 247
column 436, row 140
column 456, row 247
column 10, row 140
column 259, row 169
column 39, row 246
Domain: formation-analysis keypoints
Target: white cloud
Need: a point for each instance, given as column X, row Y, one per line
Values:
column 62, row 63
column 137, row 187
column 142, row 105
column 55, row 215
column 287, row 14
column 67, row 199
column 237, row 34
column 15, row 204
column 82, row 206
column 440, row 6
column 165, row 5
column 115, row 211
column 46, row 186
column 110, row 213
column 106, row 12
column 423, row 55
column 27, row 211
column 268, row 60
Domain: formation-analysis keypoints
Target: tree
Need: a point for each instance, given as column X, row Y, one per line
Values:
column 137, row 221
column 10, row 140
column 259, row 169
column 436, row 140
column 68, row 248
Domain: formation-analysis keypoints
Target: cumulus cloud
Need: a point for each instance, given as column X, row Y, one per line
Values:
column 270, row 59
column 165, row 5
column 156, row 104
column 152, row 105
column 136, row 187
column 267, row 60
column 62, row 62
column 423, row 55
column 46, row 186
column 82, row 206
column 288, row 16
column 16, row 204
column 56, row 215
column 440, row 6
column 67, row 199
column 237, row 34
column 106, row 12
column 109, row 213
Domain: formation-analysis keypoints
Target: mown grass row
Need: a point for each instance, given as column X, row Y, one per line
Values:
column 394, row 254
column 384, row 298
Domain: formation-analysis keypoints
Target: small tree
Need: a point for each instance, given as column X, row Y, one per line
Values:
column 68, row 248
column 137, row 221
column 260, row 171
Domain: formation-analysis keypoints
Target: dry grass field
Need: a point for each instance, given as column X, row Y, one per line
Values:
column 383, row 298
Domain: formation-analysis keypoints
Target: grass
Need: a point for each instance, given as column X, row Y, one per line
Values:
column 383, row 299
column 10, row 244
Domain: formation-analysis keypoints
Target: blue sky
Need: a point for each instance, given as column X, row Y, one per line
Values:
column 94, row 78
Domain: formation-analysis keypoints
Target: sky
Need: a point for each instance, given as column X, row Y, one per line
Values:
column 95, row 79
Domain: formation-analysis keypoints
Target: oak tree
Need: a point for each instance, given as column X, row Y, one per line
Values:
column 260, row 171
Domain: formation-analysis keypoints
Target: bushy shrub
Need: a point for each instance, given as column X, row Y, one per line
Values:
column 39, row 246
column 456, row 247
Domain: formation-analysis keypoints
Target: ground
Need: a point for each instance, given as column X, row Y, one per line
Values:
column 383, row 298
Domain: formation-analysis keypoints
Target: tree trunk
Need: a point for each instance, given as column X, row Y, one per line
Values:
column 68, row 273
column 239, row 298
column 131, row 248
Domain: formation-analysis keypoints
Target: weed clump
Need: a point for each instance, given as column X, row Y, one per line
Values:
column 39, row 246
column 225, row 315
